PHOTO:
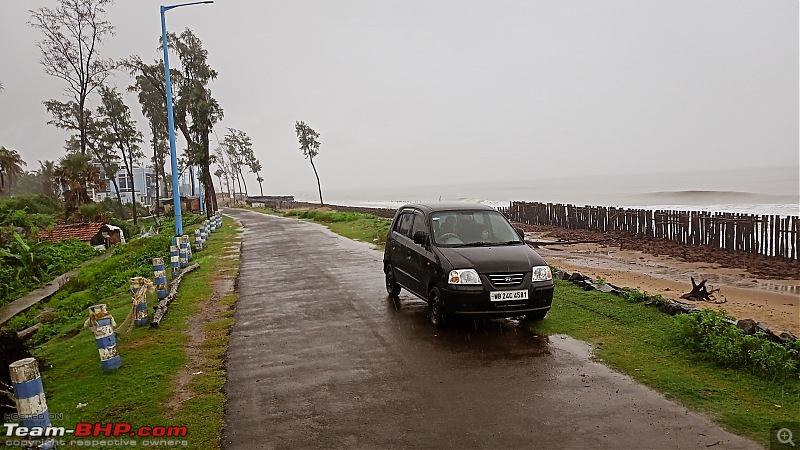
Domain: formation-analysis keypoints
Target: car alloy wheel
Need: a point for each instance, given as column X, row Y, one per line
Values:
column 435, row 308
column 392, row 288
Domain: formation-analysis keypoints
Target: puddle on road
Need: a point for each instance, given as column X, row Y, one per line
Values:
column 482, row 340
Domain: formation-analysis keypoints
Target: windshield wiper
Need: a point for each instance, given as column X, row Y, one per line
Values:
column 511, row 243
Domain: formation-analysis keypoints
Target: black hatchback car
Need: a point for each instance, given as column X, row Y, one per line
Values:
column 465, row 259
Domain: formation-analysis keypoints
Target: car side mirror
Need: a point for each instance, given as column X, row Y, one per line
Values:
column 520, row 233
column 420, row 238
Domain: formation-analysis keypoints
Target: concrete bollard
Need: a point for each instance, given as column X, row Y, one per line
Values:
column 184, row 258
column 102, row 325
column 188, row 248
column 29, row 396
column 219, row 220
column 160, row 277
column 140, row 313
column 198, row 241
column 204, row 232
column 175, row 260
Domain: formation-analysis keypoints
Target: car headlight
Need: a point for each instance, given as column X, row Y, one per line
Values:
column 542, row 273
column 464, row 276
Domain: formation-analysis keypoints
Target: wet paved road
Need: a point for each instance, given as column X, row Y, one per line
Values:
column 320, row 356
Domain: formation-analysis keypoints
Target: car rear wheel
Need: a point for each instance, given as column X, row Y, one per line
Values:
column 435, row 308
column 391, row 285
column 538, row 315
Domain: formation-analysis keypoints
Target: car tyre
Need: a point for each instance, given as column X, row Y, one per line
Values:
column 436, row 308
column 392, row 288
column 538, row 315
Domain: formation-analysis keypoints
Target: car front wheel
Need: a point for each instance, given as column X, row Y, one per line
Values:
column 436, row 308
column 391, row 285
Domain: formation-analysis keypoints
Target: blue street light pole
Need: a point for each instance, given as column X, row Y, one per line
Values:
column 176, row 197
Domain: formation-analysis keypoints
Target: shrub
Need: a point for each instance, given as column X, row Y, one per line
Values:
column 711, row 332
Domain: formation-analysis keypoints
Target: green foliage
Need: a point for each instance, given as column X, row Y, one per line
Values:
column 327, row 217
column 637, row 296
column 24, row 266
column 713, row 334
column 32, row 204
column 92, row 212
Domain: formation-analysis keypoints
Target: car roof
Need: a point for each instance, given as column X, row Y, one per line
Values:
column 448, row 206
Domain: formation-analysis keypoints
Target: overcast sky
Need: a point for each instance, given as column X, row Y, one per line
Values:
column 453, row 91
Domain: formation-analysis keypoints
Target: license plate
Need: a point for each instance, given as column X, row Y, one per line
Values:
column 499, row 296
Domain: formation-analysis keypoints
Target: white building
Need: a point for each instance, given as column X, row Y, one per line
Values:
column 144, row 182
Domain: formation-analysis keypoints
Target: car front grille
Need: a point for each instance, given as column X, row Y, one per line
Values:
column 506, row 279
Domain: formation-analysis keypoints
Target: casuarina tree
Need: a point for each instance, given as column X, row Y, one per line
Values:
column 310, row 147
column 73, row 32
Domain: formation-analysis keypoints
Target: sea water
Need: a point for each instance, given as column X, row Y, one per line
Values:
column 767, row 191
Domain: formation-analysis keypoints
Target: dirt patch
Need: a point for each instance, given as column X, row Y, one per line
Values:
column 209, row 310
column 755, row 287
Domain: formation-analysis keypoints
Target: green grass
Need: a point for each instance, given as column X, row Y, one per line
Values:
column 357, row 226
column 646, row 344
column 139, row 391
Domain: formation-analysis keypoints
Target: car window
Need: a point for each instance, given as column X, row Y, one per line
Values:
column 404, row 224
column 419, row 225
column 467, row 228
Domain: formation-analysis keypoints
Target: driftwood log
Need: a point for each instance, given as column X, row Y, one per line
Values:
column 163, row 305
column 701, row 293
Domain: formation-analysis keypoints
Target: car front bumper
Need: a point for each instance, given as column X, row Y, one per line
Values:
column 474, row 301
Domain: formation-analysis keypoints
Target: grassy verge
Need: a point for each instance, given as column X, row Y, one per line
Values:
column 171, row 375
column 645, row 344
column 356, row 226
column 648, row 346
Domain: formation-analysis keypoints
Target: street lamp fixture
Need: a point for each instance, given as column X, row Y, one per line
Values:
column 176, row 198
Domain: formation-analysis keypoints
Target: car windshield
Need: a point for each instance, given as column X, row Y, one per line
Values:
column 470, row 228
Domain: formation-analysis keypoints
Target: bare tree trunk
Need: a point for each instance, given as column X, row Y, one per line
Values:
column 317, row 175
column 239, row 182
column 133, row 186
column 158, row 195
column 244, row 182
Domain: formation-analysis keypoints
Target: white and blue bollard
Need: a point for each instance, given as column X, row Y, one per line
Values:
column 204, row 232
column 175, row 260
column 188, row 248
column 102, row 324
column 184, row 258
column 140, row 313
column 29, row 396
column 219, row 220
column 198, row 240
column 160, row 277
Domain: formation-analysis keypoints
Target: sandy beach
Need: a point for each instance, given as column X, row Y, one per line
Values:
column 770, row 296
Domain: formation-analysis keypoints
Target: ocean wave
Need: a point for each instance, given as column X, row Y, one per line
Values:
column 709, row 196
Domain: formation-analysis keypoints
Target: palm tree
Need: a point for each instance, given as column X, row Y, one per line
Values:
column 10, row 167
column 47, row 175
column 77, row 174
